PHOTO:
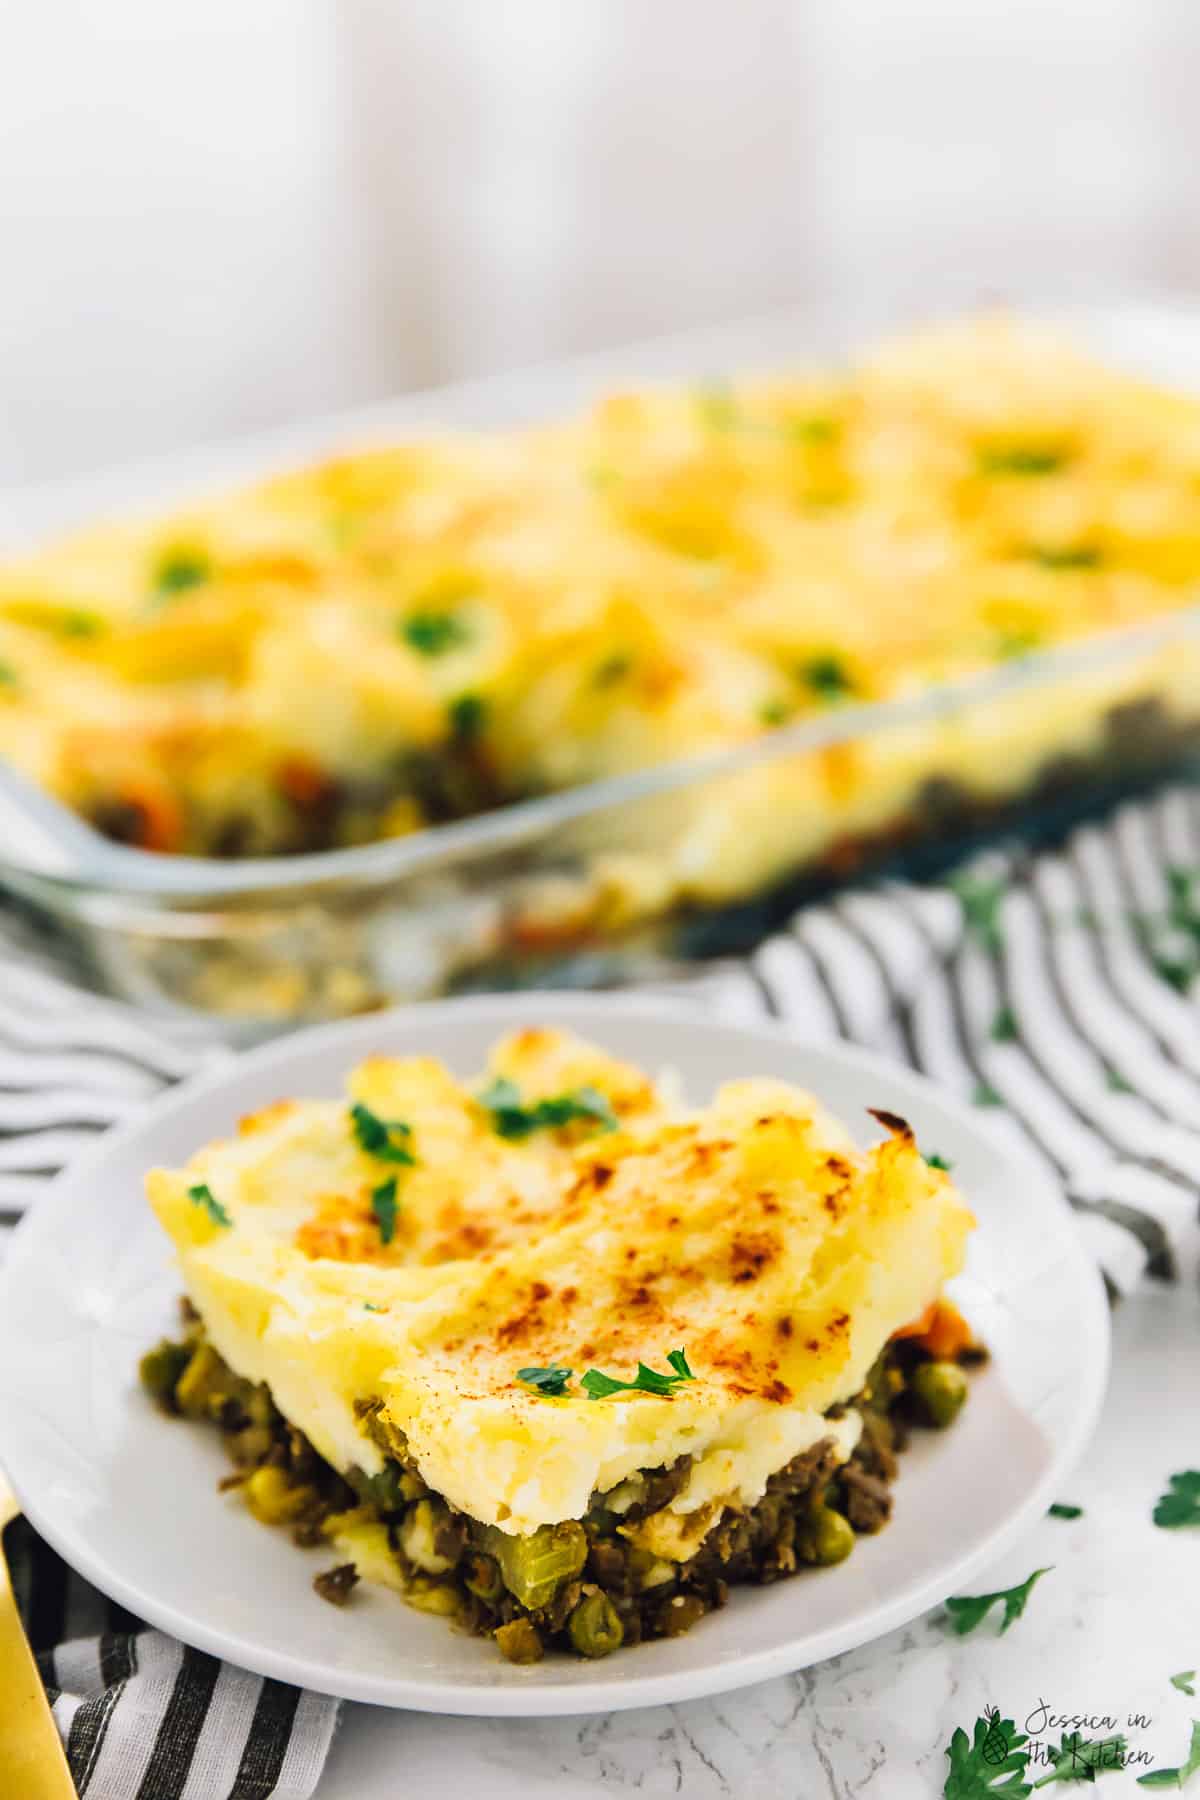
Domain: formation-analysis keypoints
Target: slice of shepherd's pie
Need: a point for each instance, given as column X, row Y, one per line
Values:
column 552, row 1355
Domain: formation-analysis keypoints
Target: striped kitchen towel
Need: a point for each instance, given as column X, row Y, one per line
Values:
column 1059, row 992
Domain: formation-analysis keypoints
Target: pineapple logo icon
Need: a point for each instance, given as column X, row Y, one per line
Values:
column 994, row 1748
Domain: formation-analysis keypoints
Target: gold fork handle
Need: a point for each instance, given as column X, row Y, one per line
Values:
column 31, row 1752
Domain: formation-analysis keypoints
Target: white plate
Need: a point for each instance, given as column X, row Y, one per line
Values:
column 129, row 1496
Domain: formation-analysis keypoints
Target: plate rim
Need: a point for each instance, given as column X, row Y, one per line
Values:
column 479, row 1699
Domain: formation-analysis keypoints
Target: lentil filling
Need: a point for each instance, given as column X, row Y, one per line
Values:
column 580, row 1585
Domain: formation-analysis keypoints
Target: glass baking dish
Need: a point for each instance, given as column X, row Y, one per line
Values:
column 617, row 879
column 594, row 885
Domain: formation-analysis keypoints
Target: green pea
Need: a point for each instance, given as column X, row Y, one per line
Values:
column 161, row 1368
column 483, row 1578
column 829, row 1537
column 595, row 1627
column 939, row 1389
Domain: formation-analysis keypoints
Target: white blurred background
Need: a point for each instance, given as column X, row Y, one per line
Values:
column 220, row 215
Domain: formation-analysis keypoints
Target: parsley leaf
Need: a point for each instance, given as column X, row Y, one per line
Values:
column 717, row 406
column 991, row 1761
column 598, row 1386
column 202, row 1195
column 986, row 1095
column 775, row 712
column 433, row 633
column 814, row 429
column 552, row 1379
column 179, row 570
column 467, row 712
column 980, row 897
column 1059, row 1511
column 511, row 1119
column 1185, row 1681
column 383, row 1205
column 1066, row 556
column 1165, row 1778
column 8, row 676
column 1180, row 1505
column 969, row 1610
column 1082, row 1759
column 939, row 1162
column 1020, row 459
column 1116, row 1082
column 827, row 676
column 1004, row 1026
column 378, row 1137
column 370, row 1306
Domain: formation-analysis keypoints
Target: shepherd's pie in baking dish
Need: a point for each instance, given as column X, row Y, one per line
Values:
column 419, row 632
column 549, row 1352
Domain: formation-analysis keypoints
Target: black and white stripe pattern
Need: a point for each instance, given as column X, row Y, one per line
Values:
column 1097, row 1073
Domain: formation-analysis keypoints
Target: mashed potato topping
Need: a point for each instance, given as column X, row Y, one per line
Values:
column 422, row 1242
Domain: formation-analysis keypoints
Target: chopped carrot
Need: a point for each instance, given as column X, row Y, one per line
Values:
column 940, row 1329
column 158, row 814
column 920, row 1325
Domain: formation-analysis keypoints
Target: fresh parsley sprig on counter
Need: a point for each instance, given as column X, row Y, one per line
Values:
column 1175, row 1778
column 992, row 1760
column 1081, row 1759
column 202, row 1195
column 389, row 1140
column 1180, row 1505
column 512, row 1119
column 969, row 1610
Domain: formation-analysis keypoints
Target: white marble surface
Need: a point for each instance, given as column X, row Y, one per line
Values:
column 1118, row 1615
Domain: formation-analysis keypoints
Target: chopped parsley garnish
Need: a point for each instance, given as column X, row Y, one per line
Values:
column 1066, row 556
column 1180, row 1505
column 370, row 1306
column 552, row 1379
column 383, row 1205
column 387, row 1139
column 647, row 1381
column 1004, row 1026
column 1116, row 1082
column 990, row 1761
column 1081, row 1759
column 8, row 676
column 939, row 1162
column 775, row 712
column 80, row 625
column 512, row 1119
column 1021, row 459
column 179, row 570
column 467, row 713
column 614, row 668
column 986, row 1095
column 826, row 676
column 1060, row 1511
column 1173, row 943
column 969, row 1610
column 1175, row 1778
column 815, row 429
column 1185, row 1681
column 433, row 633
column 1013, row 644
column 202, row 1195
column 717, row 406
column 980, row 897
